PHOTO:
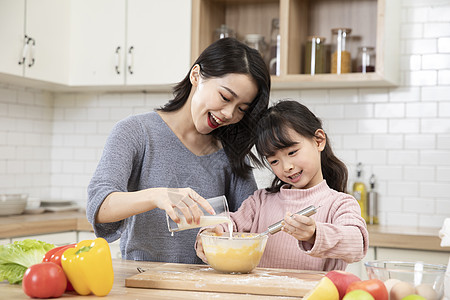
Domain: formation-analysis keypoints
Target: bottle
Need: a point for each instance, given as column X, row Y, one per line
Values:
column 256, row 41
column 315, row 52
column 372, row 203
column 223, row 31
column 274, row 55
column 341, row 60
column 360, row 191
column 365, row 61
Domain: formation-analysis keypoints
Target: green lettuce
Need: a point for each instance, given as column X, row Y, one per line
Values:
column 17, row 257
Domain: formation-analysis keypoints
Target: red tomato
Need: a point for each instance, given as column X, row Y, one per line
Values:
column 54, row 256
column 375, row 287
column 44, row 280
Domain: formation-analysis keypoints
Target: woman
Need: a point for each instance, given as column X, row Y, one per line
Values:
column 195, row 147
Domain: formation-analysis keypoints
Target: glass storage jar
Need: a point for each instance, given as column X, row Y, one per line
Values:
column 315, row 55
column 341, row 61
column 256, row 41
column 274, row 51
column 365, row 61
column 223, row 31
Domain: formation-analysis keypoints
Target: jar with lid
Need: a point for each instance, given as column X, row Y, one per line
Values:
column 341, row 60
column 365, row 61
column 274, row 51
column 257, row 42
column 315, row 55
column 223, row 31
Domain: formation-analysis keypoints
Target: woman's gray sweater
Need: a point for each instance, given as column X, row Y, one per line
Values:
column 143, row 152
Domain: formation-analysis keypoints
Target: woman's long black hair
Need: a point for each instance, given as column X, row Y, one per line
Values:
column 272, row 136
column 223, row 57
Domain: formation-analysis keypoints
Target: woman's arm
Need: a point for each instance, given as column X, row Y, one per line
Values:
column 121, row 205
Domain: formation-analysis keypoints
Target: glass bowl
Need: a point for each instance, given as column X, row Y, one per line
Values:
column 419, row 274
column 239, row 254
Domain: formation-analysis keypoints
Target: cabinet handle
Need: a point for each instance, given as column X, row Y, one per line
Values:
column 31, row 51
column 24, row 50
column 130, row 60
column 118, row 60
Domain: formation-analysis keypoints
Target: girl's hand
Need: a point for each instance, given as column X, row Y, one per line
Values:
column 184, row 200
column 199, row 245
column 303, row 228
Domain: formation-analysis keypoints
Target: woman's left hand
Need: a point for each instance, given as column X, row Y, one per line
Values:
column 303, row 228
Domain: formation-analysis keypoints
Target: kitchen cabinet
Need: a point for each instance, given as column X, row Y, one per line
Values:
column 58, row 239
column 35, row 39
column 373, row 23
column 431, row 257
column 4, row 241
column 129, row 42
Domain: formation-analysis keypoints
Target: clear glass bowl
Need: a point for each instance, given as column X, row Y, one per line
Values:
column 240, row 254
column 415, row 273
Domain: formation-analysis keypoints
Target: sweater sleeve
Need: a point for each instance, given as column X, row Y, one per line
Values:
column 112, row 174
column 344, row 237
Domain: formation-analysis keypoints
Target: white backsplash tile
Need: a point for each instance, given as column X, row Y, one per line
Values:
column 420, row 141
column 404, row 125
column 436, row 93
column 436, row 61
column 435, row 30
column 421, row 46
column 444, row 77
column 421, row 110
column 444, row 45
column 412, row 30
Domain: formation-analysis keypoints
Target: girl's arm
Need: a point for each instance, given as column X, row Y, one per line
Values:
column 344, row 236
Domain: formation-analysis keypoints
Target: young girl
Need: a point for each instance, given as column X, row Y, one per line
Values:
column 292, row 142
column 195, row 147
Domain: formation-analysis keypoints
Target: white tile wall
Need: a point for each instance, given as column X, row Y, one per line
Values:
column 50, row 143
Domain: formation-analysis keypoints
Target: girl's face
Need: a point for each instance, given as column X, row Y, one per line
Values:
column 300, row 165
column 220, row 101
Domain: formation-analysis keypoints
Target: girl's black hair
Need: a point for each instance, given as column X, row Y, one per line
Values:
column 223, row 57
column 273, row 135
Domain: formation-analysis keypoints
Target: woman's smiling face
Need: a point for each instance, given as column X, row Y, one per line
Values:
column 299, row 165
column 220, row 101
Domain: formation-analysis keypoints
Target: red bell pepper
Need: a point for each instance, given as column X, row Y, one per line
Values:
column 54, row 256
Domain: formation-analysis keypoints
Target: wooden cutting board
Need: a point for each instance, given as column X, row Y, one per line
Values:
column 262, row 281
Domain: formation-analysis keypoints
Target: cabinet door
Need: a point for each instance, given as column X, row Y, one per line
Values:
column 12, row 22
column 48, row 23
column 430, row 257
column 159, row 35
column 97, row 42
column 58, row 239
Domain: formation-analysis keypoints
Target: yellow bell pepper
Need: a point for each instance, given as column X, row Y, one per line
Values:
column 88, row 267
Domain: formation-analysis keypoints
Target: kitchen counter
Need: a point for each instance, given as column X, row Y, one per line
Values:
column 52, row 222
column 124, row 269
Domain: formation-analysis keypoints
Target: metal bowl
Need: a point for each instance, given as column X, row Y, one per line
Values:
column 240, row 254
column 12, row 204
column 418, row 274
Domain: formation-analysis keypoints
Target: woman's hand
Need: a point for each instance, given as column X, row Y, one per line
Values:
column 199, row 245
column 121, row 205
column 303, row 228
column 185, row 201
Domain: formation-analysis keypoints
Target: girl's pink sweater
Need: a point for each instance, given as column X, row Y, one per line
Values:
column 341, row 232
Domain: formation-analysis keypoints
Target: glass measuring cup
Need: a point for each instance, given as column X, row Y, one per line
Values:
column 220, row 206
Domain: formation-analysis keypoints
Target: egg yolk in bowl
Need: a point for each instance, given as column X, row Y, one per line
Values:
column 239, row 254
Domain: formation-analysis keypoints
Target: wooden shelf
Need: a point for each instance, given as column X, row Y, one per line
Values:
column 373, row 22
